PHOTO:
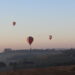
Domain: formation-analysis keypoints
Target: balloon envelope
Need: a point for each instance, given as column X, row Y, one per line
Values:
column 14, row 23
column 50, row 37
column 30, row 40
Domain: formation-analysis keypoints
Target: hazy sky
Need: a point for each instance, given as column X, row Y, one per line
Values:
column 38, row 18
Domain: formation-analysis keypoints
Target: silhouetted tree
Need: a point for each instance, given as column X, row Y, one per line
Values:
column 2, row 64
column 13, row 64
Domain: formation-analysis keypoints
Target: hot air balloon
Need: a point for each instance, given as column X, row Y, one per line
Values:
column 50, row 37
column 14, row 23
column 30, row 39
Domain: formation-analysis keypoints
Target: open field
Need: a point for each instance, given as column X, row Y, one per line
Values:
column 57, row 70
column 38, row 62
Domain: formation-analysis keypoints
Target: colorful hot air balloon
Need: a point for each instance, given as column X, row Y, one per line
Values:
column 50, row 37
column 14, row 23
column 30, row 40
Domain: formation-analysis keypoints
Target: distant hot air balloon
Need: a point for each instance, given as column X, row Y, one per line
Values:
column 50, row 37
column 14, row 23
column 30, row 39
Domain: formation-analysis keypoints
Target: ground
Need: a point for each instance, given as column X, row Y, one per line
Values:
column 56, row 70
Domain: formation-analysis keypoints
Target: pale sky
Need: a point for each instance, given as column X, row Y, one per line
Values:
column 37, row 18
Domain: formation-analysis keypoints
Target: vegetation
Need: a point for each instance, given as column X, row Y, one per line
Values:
column 2, row 65
column 38, row 58
column 57, row 70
